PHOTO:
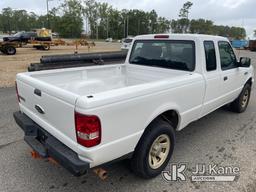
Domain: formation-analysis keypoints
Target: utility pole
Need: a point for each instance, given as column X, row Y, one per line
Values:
column 48, row 19
column 107, row 27
column 127, row 26
column 124, row 28
column 138, row 32
column 97, row 32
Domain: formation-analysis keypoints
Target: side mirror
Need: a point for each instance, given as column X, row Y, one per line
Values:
column 245, row 62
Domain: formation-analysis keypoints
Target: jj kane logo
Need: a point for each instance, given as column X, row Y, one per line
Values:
column 201, row 172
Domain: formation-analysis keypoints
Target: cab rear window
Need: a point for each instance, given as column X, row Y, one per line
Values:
column 172, row 54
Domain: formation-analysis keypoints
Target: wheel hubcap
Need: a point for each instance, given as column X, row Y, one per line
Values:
column 245, row 98
column 159, row 151
column 10, row 50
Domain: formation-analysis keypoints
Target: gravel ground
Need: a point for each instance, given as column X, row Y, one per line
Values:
column 222, row 138
column 10, row 65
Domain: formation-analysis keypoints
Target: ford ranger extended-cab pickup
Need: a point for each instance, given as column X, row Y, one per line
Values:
column 87, row 117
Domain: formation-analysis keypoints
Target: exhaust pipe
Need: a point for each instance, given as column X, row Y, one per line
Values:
column 101, row 173
column 36, row 155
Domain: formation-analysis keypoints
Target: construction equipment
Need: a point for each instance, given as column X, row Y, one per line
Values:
column 44, row 32
column 8, row 48
column 252, row 45
column 239, row 43
column 41, row 45
column 43, row 41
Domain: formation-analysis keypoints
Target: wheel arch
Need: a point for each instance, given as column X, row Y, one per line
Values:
column 169, row 113
column 249, row 81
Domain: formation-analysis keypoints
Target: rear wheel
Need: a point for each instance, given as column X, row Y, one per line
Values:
column 159, row 151
column 154, row 150
column 46, row 47
column 10, row 50
column 241, row 103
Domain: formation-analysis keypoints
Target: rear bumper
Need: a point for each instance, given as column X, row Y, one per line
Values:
column 48, row 146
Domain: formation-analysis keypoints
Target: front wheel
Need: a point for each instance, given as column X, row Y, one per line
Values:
column 154, row 150
column 241, row 103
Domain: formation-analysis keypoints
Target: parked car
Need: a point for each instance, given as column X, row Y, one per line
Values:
column 86, row 117
column 55, row 35
column 109, row 40
column 126, row 44
column 24, row 37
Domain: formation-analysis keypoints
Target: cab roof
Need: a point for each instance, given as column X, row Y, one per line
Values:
column 186, row 36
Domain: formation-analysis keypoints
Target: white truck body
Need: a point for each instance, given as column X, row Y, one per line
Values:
column 127, row 97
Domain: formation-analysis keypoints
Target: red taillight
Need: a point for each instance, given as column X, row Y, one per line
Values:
column 161, row 36
column 17, row 92
column 88, row 130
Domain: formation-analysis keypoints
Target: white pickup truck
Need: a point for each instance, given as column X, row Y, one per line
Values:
column 89, row 116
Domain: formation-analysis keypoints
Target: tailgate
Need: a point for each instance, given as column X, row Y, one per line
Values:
column 49, row 110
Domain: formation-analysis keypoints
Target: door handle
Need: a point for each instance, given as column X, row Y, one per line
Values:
column 225, row 78
column 39, row 109
column 246, row 73
column 38, row 92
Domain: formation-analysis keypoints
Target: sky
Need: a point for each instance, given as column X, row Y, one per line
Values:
column 240, row 13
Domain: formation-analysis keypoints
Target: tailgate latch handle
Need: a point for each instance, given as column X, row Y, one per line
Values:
column 39, row 109
column 38, row 92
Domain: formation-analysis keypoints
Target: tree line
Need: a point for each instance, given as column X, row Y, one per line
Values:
column 101, row 21
column 202, row 26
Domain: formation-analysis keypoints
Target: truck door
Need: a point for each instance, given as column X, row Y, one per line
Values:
column 231, row 75
column 212, row 78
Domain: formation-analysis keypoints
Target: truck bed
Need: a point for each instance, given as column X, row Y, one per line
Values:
column 59, row 93
column 92, row 80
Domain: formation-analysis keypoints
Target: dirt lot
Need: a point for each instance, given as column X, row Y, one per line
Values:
column 11, row 65
column 222, row 137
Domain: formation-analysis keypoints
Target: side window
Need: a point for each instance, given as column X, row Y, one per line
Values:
column 227, row 56
column 210, row 55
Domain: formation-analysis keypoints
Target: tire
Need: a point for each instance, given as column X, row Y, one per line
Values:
column 10, row 50
column 147, row 149
column 241, row 103
column 46, row 47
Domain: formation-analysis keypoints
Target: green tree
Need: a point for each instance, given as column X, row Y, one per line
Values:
column 201, row 26
column 182, row 25
column 7, row 20
column 105, row 21
column 185, row 10
column 92, row 13
column 54, row 20
column 71, row 23
column 163, row 25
